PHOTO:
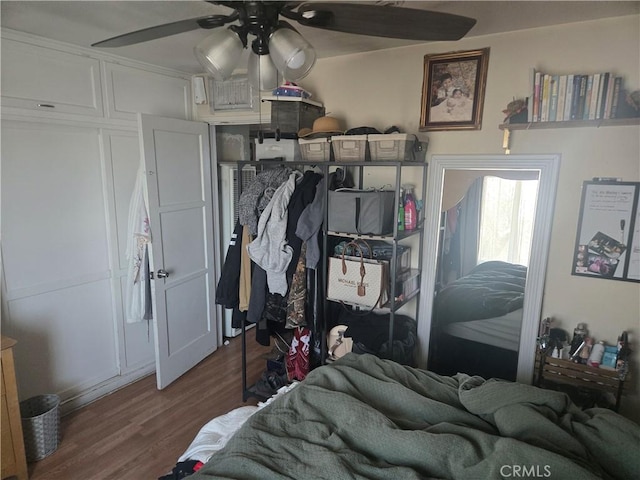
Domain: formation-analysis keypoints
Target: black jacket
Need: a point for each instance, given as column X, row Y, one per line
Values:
column 227, row 291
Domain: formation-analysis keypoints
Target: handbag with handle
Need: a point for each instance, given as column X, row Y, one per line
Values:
column 357, row 280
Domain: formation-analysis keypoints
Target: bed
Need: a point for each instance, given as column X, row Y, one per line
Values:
column 477, row 320
column 364, row 417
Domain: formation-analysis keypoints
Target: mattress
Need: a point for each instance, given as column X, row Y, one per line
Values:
column 502, row 332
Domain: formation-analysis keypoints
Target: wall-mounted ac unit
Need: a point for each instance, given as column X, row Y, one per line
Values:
column 229, row 191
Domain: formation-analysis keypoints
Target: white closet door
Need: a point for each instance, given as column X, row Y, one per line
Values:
column 178, row 172
column 56, row 258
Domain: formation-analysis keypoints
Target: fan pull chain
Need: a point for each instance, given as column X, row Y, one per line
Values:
column 260, row 132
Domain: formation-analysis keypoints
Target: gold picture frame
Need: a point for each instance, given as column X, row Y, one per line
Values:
column 453, row 90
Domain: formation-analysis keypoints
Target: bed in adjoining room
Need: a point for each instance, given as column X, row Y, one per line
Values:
column 363, row 417
column 477, row 321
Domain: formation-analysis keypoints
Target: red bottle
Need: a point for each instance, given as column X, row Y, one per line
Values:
column 410, row 211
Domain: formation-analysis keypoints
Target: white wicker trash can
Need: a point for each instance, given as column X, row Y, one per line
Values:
column 40, row 426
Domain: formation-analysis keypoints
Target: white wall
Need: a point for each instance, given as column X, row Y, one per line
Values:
column 384, row 88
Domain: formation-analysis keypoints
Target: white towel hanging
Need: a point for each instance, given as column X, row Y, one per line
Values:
column 138, row 291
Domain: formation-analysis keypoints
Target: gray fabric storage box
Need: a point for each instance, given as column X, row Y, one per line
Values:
column 291, row 116
column 367, row 212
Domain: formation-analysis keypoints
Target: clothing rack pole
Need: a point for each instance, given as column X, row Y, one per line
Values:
column 245, row 397
column 246, row 392
column 321, row 288
column 394, row 256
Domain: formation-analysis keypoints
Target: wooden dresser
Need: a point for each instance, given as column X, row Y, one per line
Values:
column 13, row 460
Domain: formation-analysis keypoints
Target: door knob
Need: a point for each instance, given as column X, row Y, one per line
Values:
column 162, row 274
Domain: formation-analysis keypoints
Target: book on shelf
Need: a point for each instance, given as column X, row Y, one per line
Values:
column 536, row 96
column 568, row 98
column 582, row 96
column 607, row 102
column 602, row 94
column 593, row 102
column 562, row 92
column 544, row 104
column 579, row 88
column 586, row 101
column 554, row 84
column 617, row 89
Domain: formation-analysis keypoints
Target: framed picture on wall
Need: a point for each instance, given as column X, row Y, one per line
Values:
column 608, row 239
column 453, row 89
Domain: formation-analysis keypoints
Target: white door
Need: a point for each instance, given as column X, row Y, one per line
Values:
column 178, row 172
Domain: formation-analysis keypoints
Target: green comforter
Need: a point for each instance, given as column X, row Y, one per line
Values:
column 362, row 417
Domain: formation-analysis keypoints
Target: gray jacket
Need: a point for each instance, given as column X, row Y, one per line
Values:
column 309, row 225
column 269, row 249
column 255, row 198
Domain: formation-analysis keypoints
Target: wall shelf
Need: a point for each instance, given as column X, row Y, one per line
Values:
column 612, row 122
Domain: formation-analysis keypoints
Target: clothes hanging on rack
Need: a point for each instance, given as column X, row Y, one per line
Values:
column 277, row 201
column 227, row 291
column 297, row 298
column 255, row 198
column 303, row 195
column 245, row 271
column 309, row 224
column 270, row 249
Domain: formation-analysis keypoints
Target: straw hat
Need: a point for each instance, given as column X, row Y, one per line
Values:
column 322, row 127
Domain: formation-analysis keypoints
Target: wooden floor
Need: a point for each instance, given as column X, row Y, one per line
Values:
column 138, row 432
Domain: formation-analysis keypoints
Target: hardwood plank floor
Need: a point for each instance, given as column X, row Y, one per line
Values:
column 138, row 432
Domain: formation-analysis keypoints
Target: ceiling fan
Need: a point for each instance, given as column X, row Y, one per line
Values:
column 278, row 49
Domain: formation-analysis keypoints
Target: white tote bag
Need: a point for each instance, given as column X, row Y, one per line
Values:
column 358, row 281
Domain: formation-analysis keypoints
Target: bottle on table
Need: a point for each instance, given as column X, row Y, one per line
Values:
column 586, row 350
column 579, row 335
column 596, row 355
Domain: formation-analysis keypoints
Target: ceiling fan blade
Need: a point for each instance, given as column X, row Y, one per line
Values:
column 159, row 31
column 385, row 21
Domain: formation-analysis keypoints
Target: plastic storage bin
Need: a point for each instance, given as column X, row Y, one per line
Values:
column 396, row 147
column 40, row 426
column 407, row 283
column 349, row 148
column 291, row 114
column 285, row 149
column 315, row 149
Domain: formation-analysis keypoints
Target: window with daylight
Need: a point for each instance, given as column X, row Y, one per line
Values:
column 506, row 224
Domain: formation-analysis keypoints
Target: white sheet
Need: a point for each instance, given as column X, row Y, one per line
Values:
column 216, row 433
column 502, row 332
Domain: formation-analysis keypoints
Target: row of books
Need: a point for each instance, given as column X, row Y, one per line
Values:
column 559, row 98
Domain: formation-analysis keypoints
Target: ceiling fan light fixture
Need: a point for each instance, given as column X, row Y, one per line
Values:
column 220, row 52
column 291, row 53
column 262, row 72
